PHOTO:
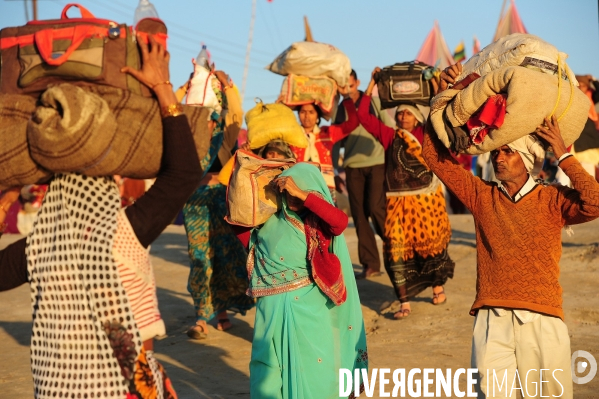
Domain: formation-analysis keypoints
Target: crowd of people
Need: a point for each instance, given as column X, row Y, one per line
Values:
column 88, row 252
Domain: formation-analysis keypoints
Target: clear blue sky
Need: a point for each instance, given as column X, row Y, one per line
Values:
column 370, row 32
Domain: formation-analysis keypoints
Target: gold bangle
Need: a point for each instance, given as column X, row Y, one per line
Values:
column 166, row 82
column 172, row 110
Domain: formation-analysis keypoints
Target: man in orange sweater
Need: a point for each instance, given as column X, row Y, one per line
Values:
column 519, row 335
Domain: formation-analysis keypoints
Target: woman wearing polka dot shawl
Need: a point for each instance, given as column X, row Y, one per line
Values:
column 92, row 287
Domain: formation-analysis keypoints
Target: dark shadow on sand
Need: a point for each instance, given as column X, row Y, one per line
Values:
column 19, row 330
column 198, row 368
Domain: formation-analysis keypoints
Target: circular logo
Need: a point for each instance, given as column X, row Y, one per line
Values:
column 405, row 87
column 589, row 363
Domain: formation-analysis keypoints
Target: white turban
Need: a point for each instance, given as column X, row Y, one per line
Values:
column 415, row 111
column 530, row 149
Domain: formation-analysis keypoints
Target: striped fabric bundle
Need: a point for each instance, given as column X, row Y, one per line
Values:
column 93, row 130
column 16, row 166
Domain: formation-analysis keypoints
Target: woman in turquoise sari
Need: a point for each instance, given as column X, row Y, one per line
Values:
column 308, row 318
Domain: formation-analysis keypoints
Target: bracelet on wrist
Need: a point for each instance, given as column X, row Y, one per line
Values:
column 172, row 110
column 166, row 82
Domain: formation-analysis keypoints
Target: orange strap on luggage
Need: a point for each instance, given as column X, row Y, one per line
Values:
column 45, row 38
column 85, row 13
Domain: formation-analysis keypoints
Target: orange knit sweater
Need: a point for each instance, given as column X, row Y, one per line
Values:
column 519, row 244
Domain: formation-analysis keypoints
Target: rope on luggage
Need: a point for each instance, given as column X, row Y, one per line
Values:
column 559, row 90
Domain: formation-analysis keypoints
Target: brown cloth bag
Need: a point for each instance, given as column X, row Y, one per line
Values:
column 250, row 198
column 136, row 147
column 17, row 168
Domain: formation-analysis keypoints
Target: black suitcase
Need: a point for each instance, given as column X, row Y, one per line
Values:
column 404, row 83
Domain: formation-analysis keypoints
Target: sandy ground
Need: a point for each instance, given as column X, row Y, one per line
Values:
column 432, row 337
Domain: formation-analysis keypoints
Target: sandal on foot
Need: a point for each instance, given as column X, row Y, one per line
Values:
column 197, row 332
column 224, row 324
column 403, row 312
column 436, row 296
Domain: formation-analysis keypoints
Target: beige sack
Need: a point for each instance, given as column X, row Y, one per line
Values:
column 250, row 198
column 531, row 96
column 313, row 59
column 16, row 166
column 135, row 150
column 513, row 50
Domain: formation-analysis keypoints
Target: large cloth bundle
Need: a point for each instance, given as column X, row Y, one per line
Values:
column 268, row 122
column 85, row 50
column 250, row 198
column 313, row 59
column 16, row 166
column 319, row 90
column 93, row 130
column 517, row 49
column 531, row 96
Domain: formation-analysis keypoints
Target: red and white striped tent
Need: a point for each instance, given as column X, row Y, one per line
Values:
column 509, row 21
column 434, row 49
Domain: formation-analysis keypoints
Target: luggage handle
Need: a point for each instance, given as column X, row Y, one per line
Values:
column 412, row 65
column 45, row 38
column 85, row 13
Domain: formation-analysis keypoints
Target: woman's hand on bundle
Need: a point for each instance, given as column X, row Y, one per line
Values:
column 223, row 78
column 372, row 82
column 246, row 146
column 286, row 183
column 449, row 75
column 155, row 70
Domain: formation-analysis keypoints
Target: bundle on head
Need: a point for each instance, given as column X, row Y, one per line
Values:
column 518, row 81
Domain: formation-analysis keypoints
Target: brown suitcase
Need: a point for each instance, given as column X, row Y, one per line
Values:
column 86, row 50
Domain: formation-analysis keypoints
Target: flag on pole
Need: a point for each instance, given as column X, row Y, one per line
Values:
column 475, row 46
column 509, row 22
column 434, row 49
column 459, row 53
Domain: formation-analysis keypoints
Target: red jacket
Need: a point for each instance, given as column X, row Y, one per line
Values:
column 328, row 136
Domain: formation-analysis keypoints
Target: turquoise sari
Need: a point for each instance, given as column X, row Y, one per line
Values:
column 301, row 339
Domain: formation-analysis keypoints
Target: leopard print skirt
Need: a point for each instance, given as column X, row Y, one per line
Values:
column 417, row 233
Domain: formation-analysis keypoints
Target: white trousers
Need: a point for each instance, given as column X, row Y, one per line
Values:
column 531, row 358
